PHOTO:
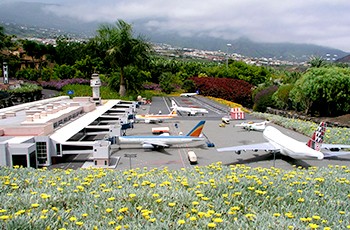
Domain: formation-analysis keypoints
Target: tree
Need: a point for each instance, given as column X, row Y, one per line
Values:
column 323, row 91
column 122, row 48
column 317, row 62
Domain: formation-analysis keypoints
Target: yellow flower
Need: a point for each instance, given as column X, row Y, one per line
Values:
column 276, row 214
column 79, row 223
column 35, row 205
column 195, row 203
column 84, row 215
column 125, row 209
column 181, row 222
column 73, row 218
column 218, row 220
column 313, row 226
column 132, row 195
column 111, row 198
column 211, row 225
column 171, row 204
column 20, row 212
column 301, row 200
column 111, row 222
column 193, row 218
column 4, row 217
column 108, row 210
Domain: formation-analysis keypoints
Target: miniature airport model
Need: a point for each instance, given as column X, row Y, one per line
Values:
column 42, row 133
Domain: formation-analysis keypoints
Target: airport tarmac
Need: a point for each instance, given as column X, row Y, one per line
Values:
column 175, row 157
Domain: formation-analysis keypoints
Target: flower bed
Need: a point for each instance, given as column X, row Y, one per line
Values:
column 215, row 196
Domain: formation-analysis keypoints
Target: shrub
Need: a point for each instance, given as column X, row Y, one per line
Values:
column 323, row 91
column 234, row 90
column 281, row 97
column 27, row 74
column 263, row 99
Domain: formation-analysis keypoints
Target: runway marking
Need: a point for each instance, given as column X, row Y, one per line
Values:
column 166, row 104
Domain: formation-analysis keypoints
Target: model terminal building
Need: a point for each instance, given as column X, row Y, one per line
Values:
column 43, row 132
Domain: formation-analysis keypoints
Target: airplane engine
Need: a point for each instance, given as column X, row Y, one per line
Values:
column 238, row 152
column 147, row 146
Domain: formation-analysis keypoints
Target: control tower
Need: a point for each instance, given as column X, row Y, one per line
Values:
column 95, row 84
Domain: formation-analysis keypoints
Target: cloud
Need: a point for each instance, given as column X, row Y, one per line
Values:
column 321, row 22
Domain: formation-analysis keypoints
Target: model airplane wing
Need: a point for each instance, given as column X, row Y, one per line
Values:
column 156, row 144
column 266, row 146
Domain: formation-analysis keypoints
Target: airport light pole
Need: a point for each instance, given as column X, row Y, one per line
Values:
column 227, row 46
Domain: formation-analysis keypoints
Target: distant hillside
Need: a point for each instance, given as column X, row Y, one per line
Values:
column 345, row 59
column 33, row 15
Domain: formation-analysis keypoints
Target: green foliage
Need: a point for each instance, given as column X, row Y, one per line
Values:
column 28, row 74
column 88, row 65
column 168, row 81
column 66, row 72
column 255, row 75
column 281, row 97
column 189, row 86
column 263, row 98
column 323, row 91
column 47, row 74
column 317, row 62
column 68, row 51
column 26, row 88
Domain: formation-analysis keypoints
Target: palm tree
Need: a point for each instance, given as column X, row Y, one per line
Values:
column 122, row 48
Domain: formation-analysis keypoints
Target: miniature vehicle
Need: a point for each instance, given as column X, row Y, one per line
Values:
column 160, row 130
column 210, row 144
column 192, row 157
column 225, row 120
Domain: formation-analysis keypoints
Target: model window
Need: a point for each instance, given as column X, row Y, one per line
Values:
column 41, row 152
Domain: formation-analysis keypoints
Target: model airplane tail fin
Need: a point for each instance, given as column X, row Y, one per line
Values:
column 317, row 137
column 197, row 130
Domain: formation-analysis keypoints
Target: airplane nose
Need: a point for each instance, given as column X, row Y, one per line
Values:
column 320, row 156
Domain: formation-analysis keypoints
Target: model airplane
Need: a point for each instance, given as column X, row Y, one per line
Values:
column 189, row 110
column 188, row 94
column 153, row 118
column 164, row 140
column 279, row 142
column 257, row 126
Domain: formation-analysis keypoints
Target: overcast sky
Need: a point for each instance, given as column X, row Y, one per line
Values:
column 321, row 22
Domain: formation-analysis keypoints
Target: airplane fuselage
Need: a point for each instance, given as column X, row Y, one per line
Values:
column 191, row 110
column 169, row 140
column 289, row 146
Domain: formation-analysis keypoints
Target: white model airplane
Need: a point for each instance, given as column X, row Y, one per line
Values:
column 189, row 110
column 164, row 140
column 153, row 118
column 188, row 94
column 257, row 126
column 279, row 142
